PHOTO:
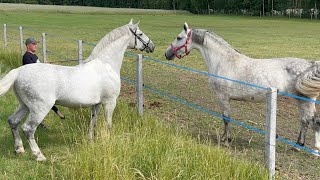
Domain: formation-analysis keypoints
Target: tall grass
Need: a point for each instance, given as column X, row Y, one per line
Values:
column 144, row 148
column 136, row 148
column 9, row 60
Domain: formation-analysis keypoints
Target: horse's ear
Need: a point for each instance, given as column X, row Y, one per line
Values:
column 137, row 24
column 130, row 23
column 185, row 27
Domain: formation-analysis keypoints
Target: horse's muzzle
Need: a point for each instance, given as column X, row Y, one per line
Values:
column 151, row 47
column 169, row 54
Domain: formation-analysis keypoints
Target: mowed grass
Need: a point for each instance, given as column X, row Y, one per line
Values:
column 255, row 37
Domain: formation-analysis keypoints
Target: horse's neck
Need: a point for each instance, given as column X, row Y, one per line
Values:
column 112, row 53
column 219, row 55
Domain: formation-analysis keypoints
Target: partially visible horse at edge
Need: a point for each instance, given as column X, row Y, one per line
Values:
column 91, row 84
column 292, row 75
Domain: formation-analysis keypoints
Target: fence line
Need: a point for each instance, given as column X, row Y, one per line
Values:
column 271, row 96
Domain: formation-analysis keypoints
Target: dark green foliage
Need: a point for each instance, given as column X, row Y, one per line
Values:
column 238, row 7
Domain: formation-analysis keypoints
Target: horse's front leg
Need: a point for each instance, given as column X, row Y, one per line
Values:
column 108, row 111
column 95, row 109
column 225, row 109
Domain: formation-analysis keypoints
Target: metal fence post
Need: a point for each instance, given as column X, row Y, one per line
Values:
column 270, row 129
column 80, row 57
column 44, row 47
column 21, row 40
column 139, row 85
column 5, row 35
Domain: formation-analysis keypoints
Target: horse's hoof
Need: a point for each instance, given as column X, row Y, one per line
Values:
column 295, row 149
column 41, row 158
column 316, row 154
column 20, row 150
column 226, row 138
column 226, row 144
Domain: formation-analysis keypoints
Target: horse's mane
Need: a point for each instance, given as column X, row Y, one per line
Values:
column 198, row 36
column 107, row 40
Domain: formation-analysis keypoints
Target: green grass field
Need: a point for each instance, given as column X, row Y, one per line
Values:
column 255, row 37
column 137, row 148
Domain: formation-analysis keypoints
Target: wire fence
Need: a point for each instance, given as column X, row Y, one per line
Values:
column 169, row 85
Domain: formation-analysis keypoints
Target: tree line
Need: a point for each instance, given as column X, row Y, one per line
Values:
column 244, row 7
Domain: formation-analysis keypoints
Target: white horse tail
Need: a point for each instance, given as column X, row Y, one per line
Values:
column 308, row 83
column 8, row 80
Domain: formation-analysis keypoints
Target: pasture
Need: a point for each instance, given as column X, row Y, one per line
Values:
column 255, row 37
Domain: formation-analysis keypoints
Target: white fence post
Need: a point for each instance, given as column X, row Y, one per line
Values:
column 80, row 57
column 139, row 85
column 5, row 35
column 44, row 48
column 21, row 40
column 270, row 129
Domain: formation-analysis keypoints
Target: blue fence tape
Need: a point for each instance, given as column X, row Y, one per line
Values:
column 205, row 73
column 87, row 43
column 228, row 79
column 298, row 97
column 219, row 115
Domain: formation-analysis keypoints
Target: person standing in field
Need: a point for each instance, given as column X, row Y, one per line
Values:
column 30, row 57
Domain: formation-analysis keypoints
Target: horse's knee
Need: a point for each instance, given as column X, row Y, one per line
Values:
column 12, row 123
column 28, row 130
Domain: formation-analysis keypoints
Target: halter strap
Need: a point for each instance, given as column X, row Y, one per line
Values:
column 185, row 46
column 146, row 44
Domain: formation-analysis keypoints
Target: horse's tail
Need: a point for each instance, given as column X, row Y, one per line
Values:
column 8, row 80
column 308, row 83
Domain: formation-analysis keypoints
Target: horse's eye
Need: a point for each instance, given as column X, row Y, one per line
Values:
column 179, row 38
column 140, row 34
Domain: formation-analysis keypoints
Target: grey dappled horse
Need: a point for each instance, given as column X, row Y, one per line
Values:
column 91, row 84
column 292, row 75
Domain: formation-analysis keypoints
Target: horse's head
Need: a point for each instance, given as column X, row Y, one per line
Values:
column 139, row 39
column 181, row 46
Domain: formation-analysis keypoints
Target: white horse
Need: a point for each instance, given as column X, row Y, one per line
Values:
column 291, row 75
column 39, row 86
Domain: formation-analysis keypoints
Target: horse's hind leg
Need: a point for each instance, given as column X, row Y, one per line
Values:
column 14, row 121
column 316, row 130
column 29, row 128
column 307, row 110
column 94, row 116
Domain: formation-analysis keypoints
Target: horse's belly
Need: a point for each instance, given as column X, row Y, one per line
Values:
column 251, row 98
column 74, row 104
column 78, row 100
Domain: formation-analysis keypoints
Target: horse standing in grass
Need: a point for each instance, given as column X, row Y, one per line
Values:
column 93, row 83
column 292, row 75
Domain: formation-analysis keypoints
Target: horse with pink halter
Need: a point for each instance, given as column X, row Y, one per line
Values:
column 292, row 75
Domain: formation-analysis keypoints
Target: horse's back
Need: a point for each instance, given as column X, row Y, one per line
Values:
column 66, row 85
column 281, row 73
